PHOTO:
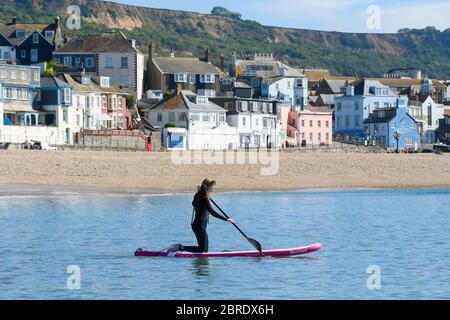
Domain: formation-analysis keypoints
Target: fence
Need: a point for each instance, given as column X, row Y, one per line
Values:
column 120, row 139
column 21, row 134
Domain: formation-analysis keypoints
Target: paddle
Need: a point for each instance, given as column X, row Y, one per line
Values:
column 254, row 243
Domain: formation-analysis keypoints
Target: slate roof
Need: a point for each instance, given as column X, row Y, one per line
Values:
column 185, row 101
column 184, row 65
column 106, row 42
column 362, row 87
column 47, row 82
column 389, row 114
column 9, row 30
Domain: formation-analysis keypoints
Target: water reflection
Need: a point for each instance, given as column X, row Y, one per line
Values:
column 201, row 267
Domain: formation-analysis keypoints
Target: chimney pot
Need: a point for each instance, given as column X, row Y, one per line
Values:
column 14, row 20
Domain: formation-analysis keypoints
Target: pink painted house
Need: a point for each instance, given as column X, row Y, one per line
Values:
column 311, row 127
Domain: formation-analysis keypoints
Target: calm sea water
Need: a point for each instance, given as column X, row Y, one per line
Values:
column 405, row 233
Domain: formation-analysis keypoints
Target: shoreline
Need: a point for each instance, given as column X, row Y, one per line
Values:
column 24, row 172
column 26, row 190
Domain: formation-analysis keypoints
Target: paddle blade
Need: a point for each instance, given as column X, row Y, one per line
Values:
column 256, row 244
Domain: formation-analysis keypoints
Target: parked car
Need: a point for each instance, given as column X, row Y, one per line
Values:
column 46, row 146
column 4, row 146
column 442, row 148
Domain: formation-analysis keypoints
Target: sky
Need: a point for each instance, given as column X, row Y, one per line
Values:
column 378, row 16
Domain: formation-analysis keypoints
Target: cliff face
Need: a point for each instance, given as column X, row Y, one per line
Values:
column 189, row 33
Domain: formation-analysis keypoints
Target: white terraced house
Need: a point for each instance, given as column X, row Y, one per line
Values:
column 199, row 123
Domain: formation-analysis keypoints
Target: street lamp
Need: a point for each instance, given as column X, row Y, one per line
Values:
column 397, row 136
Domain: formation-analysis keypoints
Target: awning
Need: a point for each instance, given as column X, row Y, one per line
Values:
column 103, row 117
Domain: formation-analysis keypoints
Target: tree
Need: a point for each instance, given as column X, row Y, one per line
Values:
column 221, row 11
column 171, row 124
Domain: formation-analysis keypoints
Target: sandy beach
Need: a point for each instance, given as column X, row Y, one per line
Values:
column 40, row 172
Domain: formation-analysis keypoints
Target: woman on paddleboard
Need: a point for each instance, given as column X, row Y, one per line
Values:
column 202, row 210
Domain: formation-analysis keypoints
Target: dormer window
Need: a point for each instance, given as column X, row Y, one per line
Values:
column 49, row 34
column 104, row 82
column 86, row 81
column 381, row 114
column 181, row 77
column 200, row 100
column 21, row 34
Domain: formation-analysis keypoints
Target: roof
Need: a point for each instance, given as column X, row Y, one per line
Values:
column 318, row 109
column 185, row 101
column 320, row 74
column 267, row 68
column 328, row 99
column 106, row 42
column 389, row 114
column 362, row 87
column 9, row 30
column 447, row 112
column 19, row 107
column 241, row 85
column 335, row 85
column 405, row 82
column 184, row 65
column 47, row 82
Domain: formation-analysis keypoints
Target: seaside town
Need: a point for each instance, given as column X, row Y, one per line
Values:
column 101, row 91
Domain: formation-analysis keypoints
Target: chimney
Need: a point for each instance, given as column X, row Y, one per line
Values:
column 172, row 53
column 208, row 55
column 151, row 52
column 132, row 43
column 14, row 20
column 222, row 62
column 66, row 39
column 57, row 22
column 179, row 88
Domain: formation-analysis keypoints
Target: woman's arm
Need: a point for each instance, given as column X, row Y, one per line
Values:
column 213, row 212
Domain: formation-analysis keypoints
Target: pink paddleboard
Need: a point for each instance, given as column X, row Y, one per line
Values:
column 268, row 253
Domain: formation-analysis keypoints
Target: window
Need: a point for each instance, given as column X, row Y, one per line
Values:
column 339, row 106
column 124, row 62
column 109, row 63
column 319, row 124
column 49, row 34
column 205, row 118
column 289, row 84
column 104, row 82
column 104, row 102
column 125, row 81
column 171, row 116
column 77, row 61
column 23, row 54
column 89, row 62
column 311, row 136
column 193, row 78
column 244, row 121
column 356, row 106
column 120, row 120
column 38, row 95
column 195, row 117
column 67, row 95
column 78, row 120
column 119, row 103
column 222, row 118
column 310, row 123
column 21, row 34
column 67, row 61
column 181, row 77
column 65, row 116
column 35, row 38
column 36, row 76
column 327, row 136
column 319, row 136
column 255, row 83
column 257, row 122
column 3, row 73
column 160, row 117
column 23, row 75
column 265, row 123
column 207, row 78
column 347, row 121
column 327, row 124
column 13, row 74
column 377, row 104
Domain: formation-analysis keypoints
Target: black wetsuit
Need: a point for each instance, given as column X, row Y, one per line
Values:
column 203, row 208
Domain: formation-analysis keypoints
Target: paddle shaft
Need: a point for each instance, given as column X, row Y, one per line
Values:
column 234, row 224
